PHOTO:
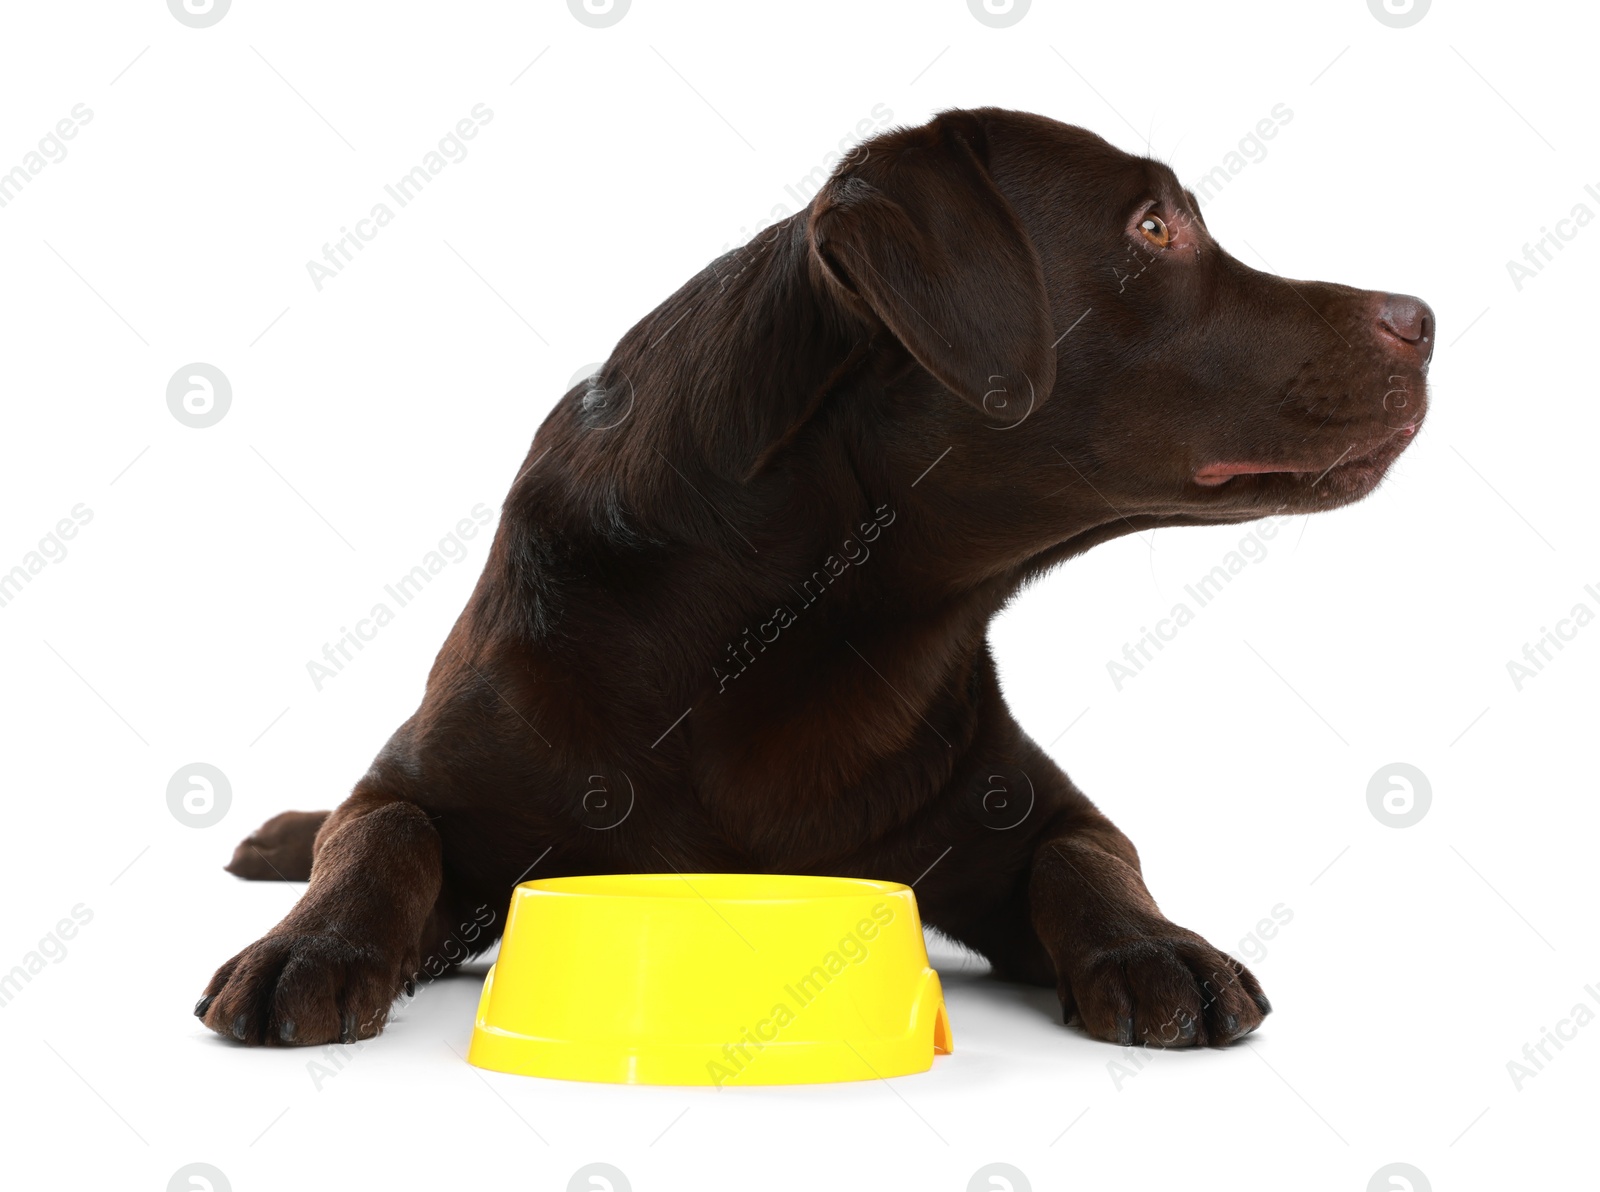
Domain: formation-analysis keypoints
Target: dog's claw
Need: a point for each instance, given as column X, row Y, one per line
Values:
column 411, row 988
column 203, row 1005
column 1261, row 1002
column 347, row 1027
column 1125, row 1030
column 239, row 1024
column 286, row 1030
column 1230, row 1025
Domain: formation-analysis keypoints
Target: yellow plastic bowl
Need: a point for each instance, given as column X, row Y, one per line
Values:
column 711, row 978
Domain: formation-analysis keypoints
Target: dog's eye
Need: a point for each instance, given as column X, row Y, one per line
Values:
column 1155, row 231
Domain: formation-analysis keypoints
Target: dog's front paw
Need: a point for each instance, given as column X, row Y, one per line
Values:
column 1162, row 987
column 301, row 988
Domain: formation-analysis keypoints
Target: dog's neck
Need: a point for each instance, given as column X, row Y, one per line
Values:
column 753, row 469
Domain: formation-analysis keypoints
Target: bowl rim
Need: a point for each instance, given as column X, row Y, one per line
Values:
column 655, row 887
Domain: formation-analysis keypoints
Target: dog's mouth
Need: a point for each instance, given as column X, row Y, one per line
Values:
column 1356, row 470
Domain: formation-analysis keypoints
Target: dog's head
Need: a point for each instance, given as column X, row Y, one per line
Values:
column 1071, row 294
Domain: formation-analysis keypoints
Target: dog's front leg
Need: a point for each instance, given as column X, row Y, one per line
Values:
column 330, row 971
column 1127, row 973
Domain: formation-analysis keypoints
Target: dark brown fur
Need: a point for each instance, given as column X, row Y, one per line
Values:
column 734, row 617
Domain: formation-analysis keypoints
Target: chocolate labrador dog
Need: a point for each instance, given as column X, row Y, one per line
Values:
column 734, row 616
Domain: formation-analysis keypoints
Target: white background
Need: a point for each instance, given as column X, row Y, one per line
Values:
column 369, row 417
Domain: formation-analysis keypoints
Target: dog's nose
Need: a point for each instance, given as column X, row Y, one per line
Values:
column 1409, row 320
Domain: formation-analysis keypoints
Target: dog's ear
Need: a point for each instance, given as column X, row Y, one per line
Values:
column 914, row 230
